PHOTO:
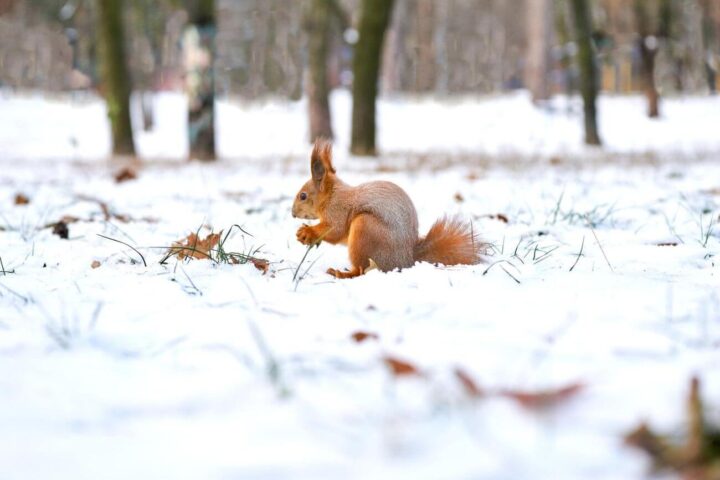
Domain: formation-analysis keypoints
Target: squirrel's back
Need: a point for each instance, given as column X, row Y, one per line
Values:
column 390, row 204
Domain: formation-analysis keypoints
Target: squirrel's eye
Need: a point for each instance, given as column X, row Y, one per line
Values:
column 303, row 196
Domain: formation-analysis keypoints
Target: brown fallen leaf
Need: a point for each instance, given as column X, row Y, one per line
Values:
column 193, row 247
column 360, row 336
column 95, row 264
column 21, row 199
column 400, row 368
column 542, row 399
column 261, row 264
column 459, row 197
column 469, row 384
column 696, row 454
column 125, row 174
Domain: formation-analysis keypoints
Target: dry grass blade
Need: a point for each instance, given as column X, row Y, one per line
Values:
column 316, row 243
column 469, row 384
column 127, row 245
column 582, row 247
column 597, row 240
column 2, row 268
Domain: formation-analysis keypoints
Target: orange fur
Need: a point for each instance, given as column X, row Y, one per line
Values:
column 378, row 222
column 450, row 241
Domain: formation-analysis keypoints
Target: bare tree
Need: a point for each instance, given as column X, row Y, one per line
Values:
column 199, row 52
column 648, row 43
column 374, row 20
column 317, row 24
column 709, row 35
column 115, row 75
column 539, row 25
column 587, row 65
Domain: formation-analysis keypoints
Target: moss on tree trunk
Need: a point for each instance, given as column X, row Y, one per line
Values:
column 115, row 75
column 374, row 20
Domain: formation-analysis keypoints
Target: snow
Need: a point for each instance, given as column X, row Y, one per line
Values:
column 506, row 126
column 196, row 370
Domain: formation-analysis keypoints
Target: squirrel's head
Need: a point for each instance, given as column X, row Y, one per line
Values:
column 322, row 174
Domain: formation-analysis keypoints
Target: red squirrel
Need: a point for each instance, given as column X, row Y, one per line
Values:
column 378, row 222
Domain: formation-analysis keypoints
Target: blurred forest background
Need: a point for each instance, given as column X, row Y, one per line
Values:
column 260, row 49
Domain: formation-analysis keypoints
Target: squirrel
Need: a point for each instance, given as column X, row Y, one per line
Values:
column 378, row 222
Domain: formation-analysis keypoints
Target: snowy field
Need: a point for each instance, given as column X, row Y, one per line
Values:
column 598, row 304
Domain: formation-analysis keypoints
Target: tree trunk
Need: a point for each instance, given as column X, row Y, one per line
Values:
column 115, row 75
column 317, row 24
column 199, row 53
column 375, row 17
column 648, row 48
column 708, row 38
column 588, row 68
column 539, row 25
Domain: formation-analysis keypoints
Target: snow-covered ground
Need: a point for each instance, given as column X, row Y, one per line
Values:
column 505, row 126
column 604, row 275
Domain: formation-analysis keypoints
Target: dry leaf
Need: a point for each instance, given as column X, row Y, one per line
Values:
column 361, row 336
column 695, row 455
column 61, row 230
column 261, row 264
column 459, row 197
column 542, row 399
column 95, row 264
column 21, row 199
column 400, row 368
column 469, row 384
column 125, row 174
column 192, row 247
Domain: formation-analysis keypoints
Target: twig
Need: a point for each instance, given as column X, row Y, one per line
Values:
column 126, row 244
column 582, row 246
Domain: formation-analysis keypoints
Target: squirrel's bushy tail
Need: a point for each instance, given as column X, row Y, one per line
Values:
column 450, row 241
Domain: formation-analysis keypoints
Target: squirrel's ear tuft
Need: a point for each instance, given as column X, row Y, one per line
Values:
column 321, row 160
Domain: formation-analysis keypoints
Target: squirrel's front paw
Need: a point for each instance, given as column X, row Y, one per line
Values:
column 306, row 235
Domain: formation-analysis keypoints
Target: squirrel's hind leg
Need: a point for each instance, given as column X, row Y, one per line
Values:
column 355, row 272
column 365, row 239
